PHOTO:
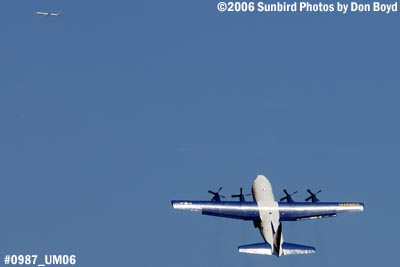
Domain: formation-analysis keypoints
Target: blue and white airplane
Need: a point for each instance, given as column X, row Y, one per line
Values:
column 48, row 14
column 268, row 214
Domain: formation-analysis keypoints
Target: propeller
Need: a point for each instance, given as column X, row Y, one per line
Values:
column 241, row 195
column 313, row 196
column 288, row 196
column 217, row 197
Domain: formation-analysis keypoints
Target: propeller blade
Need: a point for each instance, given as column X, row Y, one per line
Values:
column 241, row 195
column 313, row 196
column 216, row 196
column 284, row 190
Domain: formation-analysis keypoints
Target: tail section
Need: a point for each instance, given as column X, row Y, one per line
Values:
column 287, row 249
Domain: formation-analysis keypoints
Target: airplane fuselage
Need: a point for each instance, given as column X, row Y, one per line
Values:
column 268, row 211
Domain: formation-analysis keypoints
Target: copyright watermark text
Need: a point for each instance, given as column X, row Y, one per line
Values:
column 314, row 7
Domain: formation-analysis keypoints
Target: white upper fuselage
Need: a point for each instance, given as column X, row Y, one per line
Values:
column 269, row 213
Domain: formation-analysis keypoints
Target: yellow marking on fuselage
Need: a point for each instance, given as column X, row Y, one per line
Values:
column 349, row 204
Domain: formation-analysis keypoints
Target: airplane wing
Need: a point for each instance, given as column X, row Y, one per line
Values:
column 306, row 210
column 40, row 13
column 228, row 209
column 250, row 210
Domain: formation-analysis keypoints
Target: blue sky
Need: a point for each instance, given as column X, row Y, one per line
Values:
column 114, row 108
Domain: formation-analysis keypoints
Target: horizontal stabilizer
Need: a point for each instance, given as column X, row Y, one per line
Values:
column 265, row 249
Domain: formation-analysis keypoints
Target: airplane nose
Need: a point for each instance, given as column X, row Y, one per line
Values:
column 260, row 177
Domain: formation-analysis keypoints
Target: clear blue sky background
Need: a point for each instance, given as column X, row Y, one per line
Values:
column 116, row 107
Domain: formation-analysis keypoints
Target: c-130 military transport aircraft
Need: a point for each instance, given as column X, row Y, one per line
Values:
column 268, row 214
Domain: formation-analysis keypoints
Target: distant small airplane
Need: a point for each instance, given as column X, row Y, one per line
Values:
column 268, row 214
column 45, row 14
